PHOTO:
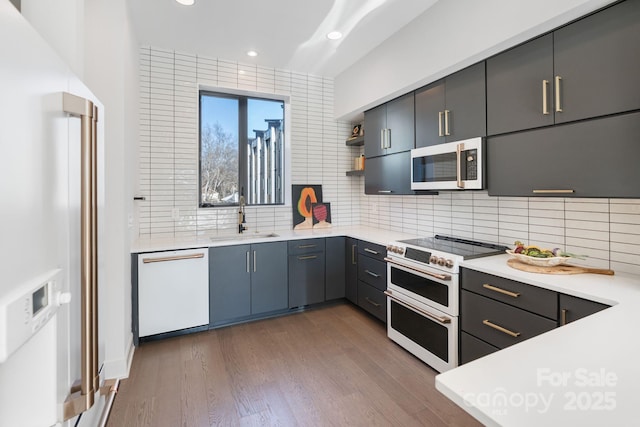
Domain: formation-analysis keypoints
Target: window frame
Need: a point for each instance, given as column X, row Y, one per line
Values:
column 242, row 97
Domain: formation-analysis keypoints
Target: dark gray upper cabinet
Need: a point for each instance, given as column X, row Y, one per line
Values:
column 584, row 70
column 515, row 84
column 269, row 287
column 595, row 158
column 453, row 108
column 390, row 174
column 389, row 128
column 334, row 268
column 598, row 61
column 351, row 269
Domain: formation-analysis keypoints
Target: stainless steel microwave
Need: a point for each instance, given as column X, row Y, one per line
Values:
column 450, row 166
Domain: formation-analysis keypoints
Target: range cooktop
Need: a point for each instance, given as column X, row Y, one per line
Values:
column 467, row 249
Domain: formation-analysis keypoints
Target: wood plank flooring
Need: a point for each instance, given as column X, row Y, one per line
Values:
column 331, row 366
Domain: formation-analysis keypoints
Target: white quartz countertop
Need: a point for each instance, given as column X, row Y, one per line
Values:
column 586, row 373
column 373, row 235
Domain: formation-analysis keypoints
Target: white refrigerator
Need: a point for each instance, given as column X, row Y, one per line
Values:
column 41, row 245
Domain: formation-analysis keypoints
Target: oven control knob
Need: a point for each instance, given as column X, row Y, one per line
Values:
column 441, row 262
column 433, row 259
column 448, row 263
column 396, row 249
column 389, row 248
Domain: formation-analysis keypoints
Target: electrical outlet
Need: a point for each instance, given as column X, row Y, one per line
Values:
column 374, row 208
column 175, row 214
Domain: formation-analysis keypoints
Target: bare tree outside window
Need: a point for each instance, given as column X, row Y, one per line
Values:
column 219, row 165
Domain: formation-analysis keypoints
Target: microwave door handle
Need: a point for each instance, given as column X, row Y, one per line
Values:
column 459, row 150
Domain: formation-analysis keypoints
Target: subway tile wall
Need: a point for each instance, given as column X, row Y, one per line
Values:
column 607, row 230
column 168, row 167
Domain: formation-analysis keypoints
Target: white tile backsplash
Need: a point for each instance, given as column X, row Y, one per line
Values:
column 607, row 230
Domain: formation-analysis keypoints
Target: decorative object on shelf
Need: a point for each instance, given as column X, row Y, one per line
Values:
column 321, row 215
column 302, row 199
column 358, row 163
column 356, row 132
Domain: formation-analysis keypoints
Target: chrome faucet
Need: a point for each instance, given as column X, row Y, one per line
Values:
column 242, row 223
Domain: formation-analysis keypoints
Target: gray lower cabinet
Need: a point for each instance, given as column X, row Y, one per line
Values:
column 496, row 312
column 351, row 269
column 574, row 308
column 306, row 272
column 594, row 158
column 372, row 279
column 247, row 280
column 334, row 268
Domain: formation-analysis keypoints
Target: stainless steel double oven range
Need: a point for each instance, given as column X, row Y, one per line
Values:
column 423, row 289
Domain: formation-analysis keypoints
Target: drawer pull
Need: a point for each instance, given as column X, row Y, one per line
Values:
column 307, row 257
column 501, row 329
column 441, row 319
column 371, row 273
column 501, row 291
column 306, row 246
column 371, row 251
column 428, row 273
column 172, row 258
column 563, row 316
column 373, row 303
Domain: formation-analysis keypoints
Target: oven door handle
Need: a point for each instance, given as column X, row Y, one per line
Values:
column 428, row 273
column 441, row 319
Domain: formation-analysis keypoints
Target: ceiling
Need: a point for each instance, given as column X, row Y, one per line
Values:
column 287, row 34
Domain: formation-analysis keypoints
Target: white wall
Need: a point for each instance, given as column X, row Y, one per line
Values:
column 111, row 72
column 449, row 36
column 169, row 143
column 61, row 23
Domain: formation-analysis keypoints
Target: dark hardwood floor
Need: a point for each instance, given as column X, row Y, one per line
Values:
column 331, row 366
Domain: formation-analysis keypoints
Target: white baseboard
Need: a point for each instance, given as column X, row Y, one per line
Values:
column 119, row 368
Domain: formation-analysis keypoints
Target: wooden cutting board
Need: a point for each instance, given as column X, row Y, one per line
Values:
column 558, row 269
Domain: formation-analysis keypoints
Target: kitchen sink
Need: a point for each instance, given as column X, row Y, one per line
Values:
column 243, row 236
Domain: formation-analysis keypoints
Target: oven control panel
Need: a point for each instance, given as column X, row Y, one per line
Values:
column 421, row 256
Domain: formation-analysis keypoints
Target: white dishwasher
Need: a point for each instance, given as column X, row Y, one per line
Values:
column 173, row 290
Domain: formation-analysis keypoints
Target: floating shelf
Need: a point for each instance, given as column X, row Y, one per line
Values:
column 355, row 173
column 355, row 142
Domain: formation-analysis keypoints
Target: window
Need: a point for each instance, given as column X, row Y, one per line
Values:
column 241, row 150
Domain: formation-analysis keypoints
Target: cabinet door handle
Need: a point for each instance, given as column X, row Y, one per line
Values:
column 307, row 257
column 172, row 258
column 373, row 303
column 545, row 102
column 382, row 136
column 563, row 316
column 371, row 273
column 500, row 290
column 353, row 254
column 459, row 149
column 558, row 104
column 440, row 113
column 447, row 131
column 551, row 191
column 371, row 251
column 255, row 262
column 306, row 246
column 501, row 329
column 247, row 261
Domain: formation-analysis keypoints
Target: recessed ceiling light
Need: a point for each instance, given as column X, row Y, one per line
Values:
column 186, row 2
column 334, row 35
column 252, row 53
